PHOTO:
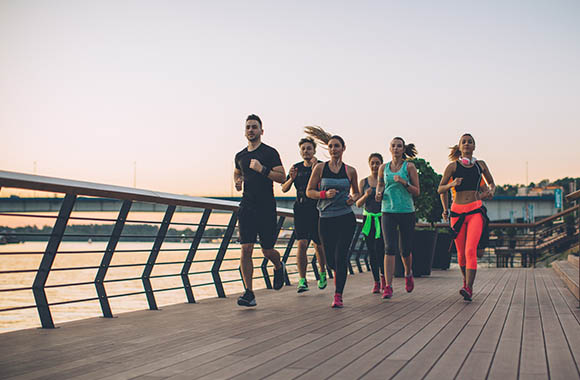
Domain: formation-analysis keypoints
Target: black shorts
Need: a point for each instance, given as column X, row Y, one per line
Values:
column 306, row 222
column 406, row 224
column 254, row 221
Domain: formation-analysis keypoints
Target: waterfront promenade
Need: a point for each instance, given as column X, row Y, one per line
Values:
column 523, row 323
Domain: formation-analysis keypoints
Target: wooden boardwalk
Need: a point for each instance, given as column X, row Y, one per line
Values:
column 523, row 323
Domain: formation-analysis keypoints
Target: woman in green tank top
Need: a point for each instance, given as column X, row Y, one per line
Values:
column 398, row 183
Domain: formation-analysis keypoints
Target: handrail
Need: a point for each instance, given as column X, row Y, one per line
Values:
column 573, row 196
column 60, row 185
column 72, row 189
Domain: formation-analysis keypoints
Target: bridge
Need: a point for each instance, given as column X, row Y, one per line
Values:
column 523, row 323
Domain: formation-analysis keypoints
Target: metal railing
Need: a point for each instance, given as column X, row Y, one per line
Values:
column 575, row 197
column 163, row 234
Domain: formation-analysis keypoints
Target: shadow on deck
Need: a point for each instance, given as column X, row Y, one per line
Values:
column 523, row 323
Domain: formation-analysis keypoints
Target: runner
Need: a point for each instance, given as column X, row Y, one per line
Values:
column 372, row 225
column 331, row 183
column 468, row 216
column 257, row 166
column 398, row 183
column 305, row 214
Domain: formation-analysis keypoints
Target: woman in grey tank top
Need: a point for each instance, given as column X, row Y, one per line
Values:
column 335, row 185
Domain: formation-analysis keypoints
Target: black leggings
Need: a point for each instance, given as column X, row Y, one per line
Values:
column 336, row 235
column 376, row 249
column 406, row 224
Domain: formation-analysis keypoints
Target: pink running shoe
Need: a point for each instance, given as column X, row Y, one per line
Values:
column 377, row 287
column 409, row 283
column 466, row 292
column 388, row 292
column 337, row 303
column 383, row 283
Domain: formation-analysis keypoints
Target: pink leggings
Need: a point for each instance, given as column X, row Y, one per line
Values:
column 469, row 235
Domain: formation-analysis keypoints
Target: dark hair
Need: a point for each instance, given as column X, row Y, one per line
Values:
column 320, row 135
column 254, row 117
column 455, row 152
column 377, row 155
column 307, row 140
column 409, row 149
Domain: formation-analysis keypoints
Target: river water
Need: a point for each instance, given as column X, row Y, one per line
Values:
column 126, row 253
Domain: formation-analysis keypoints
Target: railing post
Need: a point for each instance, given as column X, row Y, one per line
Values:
column 108, row 256
column 153, row 256
column 264, row 265
column 48, row 260
column 287, row 254
column 191, row 255
column 215, row 270
column 534, row 250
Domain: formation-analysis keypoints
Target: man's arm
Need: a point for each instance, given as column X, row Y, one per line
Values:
column 238, row 179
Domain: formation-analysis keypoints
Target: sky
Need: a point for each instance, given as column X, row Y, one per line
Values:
column 91, row 90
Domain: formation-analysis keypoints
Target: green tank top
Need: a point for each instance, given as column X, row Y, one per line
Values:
column 396, row 198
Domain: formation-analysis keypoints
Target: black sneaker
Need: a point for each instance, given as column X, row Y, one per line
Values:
column 247, row 299
column 279, row 277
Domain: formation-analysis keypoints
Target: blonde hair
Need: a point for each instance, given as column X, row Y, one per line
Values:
column 455, row 152
column 321, row 136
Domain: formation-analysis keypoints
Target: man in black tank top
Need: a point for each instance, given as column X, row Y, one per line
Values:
column 257, row 166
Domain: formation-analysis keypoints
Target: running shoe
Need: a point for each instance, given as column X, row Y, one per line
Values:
column 388, row 292
column 466, row 292
column 383, row 282
column 377, row 287
column 337, row 303
column 322, row 282
column 302, row 285
column 279, row 277
column 247, row 299
column 409, row 283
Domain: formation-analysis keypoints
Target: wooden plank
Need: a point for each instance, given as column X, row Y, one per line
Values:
column 355, row 327
column 478, row 361
column 377, row 361
column 569, row 274
column 570, row 325
column 327, row 351
column 450, row 361
column 291, row 336
column 560, row 361
column 505, row 363
column 533, row 362
column 428, row 354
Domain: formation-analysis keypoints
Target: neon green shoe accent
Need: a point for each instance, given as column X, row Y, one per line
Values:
column 302, row 285
column 322, row 281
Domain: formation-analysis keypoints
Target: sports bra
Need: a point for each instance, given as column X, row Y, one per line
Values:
column 471, row 177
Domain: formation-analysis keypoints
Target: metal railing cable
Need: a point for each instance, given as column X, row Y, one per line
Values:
column 187, row 268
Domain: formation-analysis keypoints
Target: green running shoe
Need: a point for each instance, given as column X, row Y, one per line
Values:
column 322, row 281
column 302, row 285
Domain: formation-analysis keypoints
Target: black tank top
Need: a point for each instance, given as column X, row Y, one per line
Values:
column 371, row 205
column 301, row 182
column 471, row 177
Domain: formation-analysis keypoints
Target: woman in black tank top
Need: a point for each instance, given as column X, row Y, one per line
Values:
column 371, row 224
column 306, row 214
column 467, row 214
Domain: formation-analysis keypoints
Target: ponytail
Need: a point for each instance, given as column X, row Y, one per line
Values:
column 410, row 151
column 455, row 152
column 321, row 136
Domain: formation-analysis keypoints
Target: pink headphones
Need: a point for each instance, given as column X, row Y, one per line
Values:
column 467, row 161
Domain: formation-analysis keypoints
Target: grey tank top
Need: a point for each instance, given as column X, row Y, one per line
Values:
column 336, row 206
